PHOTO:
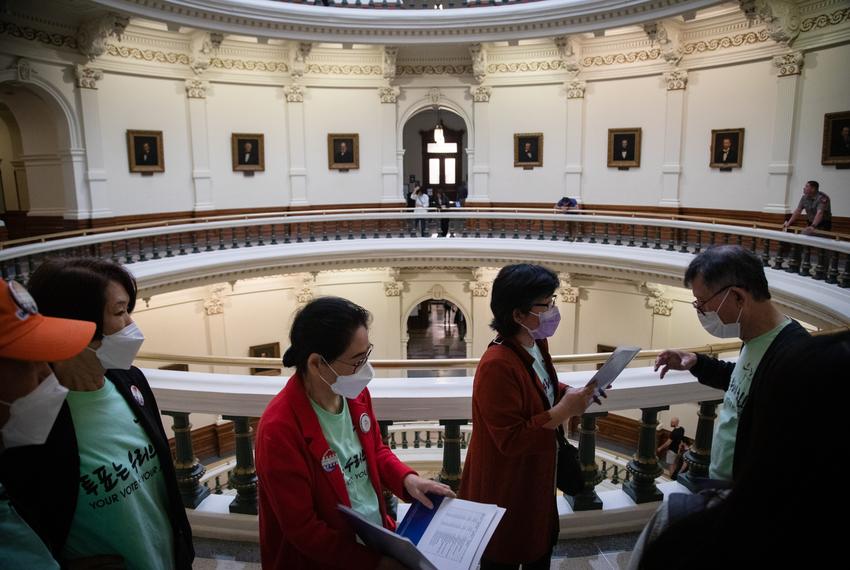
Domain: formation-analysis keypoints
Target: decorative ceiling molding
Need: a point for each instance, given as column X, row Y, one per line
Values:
column 302, row 22
column 241, row 65
column 520, row 67
column 434, row 69
column 621, row 58
column 725, row 42
column 47, row 38
column 147, row 54
column 345, row 69
column 825, row 20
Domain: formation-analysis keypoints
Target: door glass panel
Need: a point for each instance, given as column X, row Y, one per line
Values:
column 442, row 148
column 433, row 171
column 450, row 170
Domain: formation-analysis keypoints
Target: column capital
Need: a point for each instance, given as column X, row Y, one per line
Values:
column 576, row 88
column 789, row 64
column 87, row 77
column 389, row 94
column 92, row 34
column 481, row 93
column 294, row 93
column 676, row 80
column 196, row 88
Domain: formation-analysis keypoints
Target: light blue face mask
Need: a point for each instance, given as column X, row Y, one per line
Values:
column 714, row 325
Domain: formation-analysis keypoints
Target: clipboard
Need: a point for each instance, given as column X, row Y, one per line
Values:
column 612, row 368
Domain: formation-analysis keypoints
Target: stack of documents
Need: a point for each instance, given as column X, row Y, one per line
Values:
column 451, row 536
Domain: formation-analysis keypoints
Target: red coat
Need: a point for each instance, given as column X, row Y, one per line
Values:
column 300, row 526
column 511, row 457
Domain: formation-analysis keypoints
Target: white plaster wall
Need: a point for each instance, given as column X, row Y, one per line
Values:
column 144, row 103
column 342, row 111
column 527, row 109
column 736, row 96
column 623, row 103
column 233, row 108
column 825, row 88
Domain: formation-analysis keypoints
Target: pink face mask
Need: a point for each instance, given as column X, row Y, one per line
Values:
column 549, row 321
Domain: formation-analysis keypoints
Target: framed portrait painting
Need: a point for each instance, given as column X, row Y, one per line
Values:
column 248, row 152
column 624, row 147
column 270, row 350
column 343, row 151
column 727, row 148
column 836, row 139
column 145, row 152
column 528, row 150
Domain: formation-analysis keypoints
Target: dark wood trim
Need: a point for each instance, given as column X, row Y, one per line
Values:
column 19, row 225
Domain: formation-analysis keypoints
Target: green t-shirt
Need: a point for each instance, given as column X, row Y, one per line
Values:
column 342, row 437
column 122, row 504
column 540, row 369
column 20, row 546
column 723, row 444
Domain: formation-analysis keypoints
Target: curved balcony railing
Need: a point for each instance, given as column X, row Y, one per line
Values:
column 409, row 400
column 823, row 257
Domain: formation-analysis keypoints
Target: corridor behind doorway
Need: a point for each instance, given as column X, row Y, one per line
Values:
column 436, row 329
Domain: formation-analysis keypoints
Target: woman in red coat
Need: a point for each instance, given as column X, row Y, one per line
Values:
column 517, row 403
column 319, row 445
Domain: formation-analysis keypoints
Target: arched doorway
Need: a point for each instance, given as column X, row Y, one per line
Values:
column 436, row 328
column 436, row 160
column 41, row 160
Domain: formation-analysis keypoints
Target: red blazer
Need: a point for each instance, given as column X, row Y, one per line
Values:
column 511, row 457
column 300, row 526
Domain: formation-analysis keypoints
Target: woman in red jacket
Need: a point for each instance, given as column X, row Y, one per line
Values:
column 517, row 403
column 319, row 445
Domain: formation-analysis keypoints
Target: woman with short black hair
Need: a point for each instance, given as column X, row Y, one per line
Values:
column 517, row 404
column 102, row 489
column 319, row 445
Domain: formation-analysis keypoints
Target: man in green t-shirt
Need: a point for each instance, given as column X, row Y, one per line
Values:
column 30, row 399
column 733, row 301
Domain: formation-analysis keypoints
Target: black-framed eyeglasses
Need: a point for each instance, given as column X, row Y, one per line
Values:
column 360, row 362
column 698, row 305
column 548, row 305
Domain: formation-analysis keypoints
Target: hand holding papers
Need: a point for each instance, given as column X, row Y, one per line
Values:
column 452, row 536
column 615, row 364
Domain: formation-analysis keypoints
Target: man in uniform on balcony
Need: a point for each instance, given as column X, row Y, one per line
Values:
column 817, row 207
column 733, row 301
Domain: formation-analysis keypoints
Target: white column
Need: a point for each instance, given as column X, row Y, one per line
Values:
column 391, row 188
column 196, row 91
column 479, row 182
column 72, row 164
column 575, row 135
column 780, row 169
column 671, row 169
column 95, row 171
column 297, row 143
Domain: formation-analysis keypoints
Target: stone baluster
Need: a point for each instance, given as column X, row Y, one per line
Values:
column 188, row 470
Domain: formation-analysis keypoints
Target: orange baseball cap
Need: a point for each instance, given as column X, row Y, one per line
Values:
column 27, row 335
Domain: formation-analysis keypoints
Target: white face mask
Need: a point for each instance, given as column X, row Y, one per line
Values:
column 350, row 386
column 31, row 417
column 118, row 350
column 714, row 325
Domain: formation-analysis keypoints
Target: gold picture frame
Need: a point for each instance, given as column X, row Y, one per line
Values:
column 145, row 151
column 836, row 139
column 727, row 157
column 343, row 151
column 268, row 350
column 248, row 152
column 624, row 147
column 528, row 150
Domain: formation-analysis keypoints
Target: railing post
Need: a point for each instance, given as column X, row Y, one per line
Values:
column 390, row 500
column 699, row 455
column 450, row 475
column 588, row 500
column 644, row 467
column 188, row 470
column 244, row 474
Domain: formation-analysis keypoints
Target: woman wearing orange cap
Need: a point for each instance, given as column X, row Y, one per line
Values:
column 103, row 484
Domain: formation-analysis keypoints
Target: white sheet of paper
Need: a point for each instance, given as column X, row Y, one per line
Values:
column 454, row 540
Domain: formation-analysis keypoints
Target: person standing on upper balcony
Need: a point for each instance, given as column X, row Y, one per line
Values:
column 818, row 210
column 733, row 301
